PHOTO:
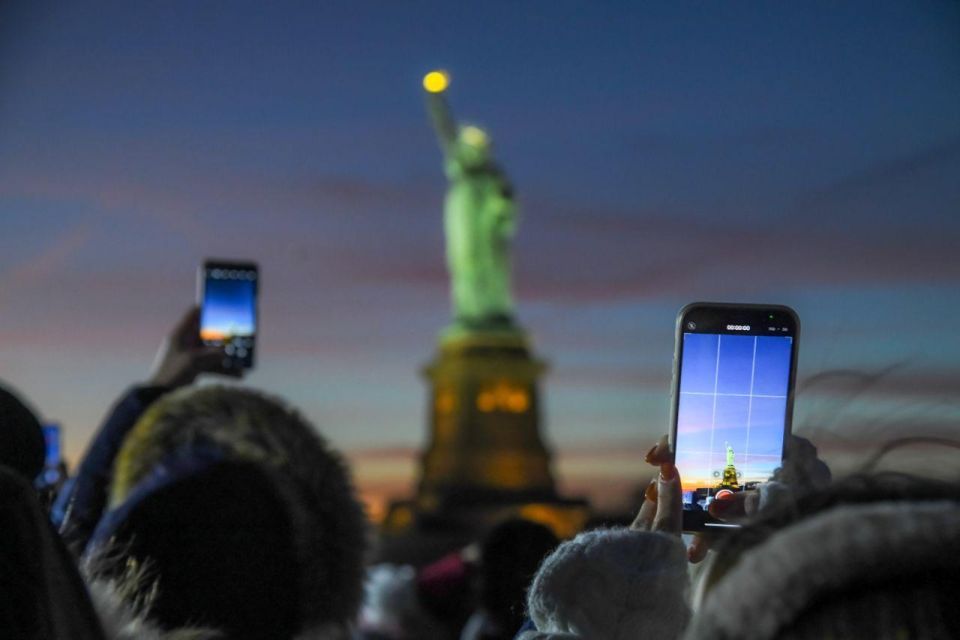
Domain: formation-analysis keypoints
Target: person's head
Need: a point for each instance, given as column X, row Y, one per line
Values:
column 867, row 557
column 41, row 592
column 22, row 446
column 616, row 584
column 473, row 146
column 509, row 556
column 243, row 517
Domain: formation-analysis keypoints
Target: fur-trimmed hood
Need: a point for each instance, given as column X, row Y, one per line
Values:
column 121, row 621
column 191, row 431
column 891, row 559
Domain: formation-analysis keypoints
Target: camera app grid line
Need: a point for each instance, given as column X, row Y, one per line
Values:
column 732, row 393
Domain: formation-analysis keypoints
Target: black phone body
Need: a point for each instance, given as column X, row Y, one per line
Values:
column 228, row 294
column 734, row 373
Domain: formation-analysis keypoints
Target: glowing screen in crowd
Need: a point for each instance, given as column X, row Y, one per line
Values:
column 732, row 407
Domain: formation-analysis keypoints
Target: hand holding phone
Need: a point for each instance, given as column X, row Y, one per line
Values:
column 182, row 356
column 662, row 507
column 732, row 401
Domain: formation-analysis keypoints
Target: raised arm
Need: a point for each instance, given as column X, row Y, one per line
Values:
column 83, row 500
column 435, row 83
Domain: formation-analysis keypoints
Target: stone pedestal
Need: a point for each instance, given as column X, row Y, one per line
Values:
column 729, row 479
column 485, row 459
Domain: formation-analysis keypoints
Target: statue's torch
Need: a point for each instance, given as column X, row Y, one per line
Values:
column 436, row 81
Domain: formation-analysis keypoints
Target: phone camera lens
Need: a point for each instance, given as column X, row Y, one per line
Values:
column 691, row 326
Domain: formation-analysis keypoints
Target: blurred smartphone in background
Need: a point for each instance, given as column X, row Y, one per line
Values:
column 732, row 400
column 51, row 436
column 227, row 292
column 54, row 454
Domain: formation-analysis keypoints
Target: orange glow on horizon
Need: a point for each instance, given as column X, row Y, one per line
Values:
column 213, row 334
column 693, row 485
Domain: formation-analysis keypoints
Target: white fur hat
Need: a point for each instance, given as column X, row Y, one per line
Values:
column 612, row 584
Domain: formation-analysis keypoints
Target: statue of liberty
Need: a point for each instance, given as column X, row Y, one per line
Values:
column 730, row 474
column 485, row 451
column 479, row 218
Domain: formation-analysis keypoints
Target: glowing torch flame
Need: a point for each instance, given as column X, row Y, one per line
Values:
column 436, row 81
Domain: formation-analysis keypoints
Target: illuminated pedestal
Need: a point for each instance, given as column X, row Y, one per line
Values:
column 485, row 460
column 729, row 480
column 730, row 473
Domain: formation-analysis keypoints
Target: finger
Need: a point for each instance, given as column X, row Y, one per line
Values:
column 187, row 330
column 802, row 464
column 231, row 369
column 731, row 507
column 214, row 360
column 659, row 452
column 648, row 509
column 751, row 502
column 698, row 548
column 189, row 319
column 669, row 516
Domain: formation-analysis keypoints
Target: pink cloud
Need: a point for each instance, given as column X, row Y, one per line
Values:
column 40, row 267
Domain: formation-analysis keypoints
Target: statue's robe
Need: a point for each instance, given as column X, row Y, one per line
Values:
column 480, row 220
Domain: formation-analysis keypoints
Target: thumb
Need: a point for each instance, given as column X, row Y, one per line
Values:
column 669, row 516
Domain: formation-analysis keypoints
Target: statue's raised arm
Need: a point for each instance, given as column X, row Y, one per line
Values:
column 436, row 83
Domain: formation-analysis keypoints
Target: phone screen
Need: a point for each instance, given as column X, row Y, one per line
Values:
column 51, row 437
column 228, row 314
column 733, row 399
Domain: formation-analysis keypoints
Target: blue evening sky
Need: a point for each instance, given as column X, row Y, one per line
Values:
column 804, row 153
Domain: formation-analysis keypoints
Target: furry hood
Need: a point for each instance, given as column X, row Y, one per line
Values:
column 845, row 551
column 194, row 428
column 122, row 621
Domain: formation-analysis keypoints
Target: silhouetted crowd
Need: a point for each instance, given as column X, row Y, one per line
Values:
column 221, row 512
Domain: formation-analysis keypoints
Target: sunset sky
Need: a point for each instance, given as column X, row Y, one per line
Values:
column 798, row 153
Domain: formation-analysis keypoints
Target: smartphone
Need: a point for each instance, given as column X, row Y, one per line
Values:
column 228, row 309
column 51, row 437
column 732, row 400
column 51, row 465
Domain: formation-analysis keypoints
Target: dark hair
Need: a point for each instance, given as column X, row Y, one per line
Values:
column 510, row 555
column 41, row 592
column 22, row 447
column 218, row 550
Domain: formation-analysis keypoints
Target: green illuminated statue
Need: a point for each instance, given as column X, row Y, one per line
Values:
column 729, row 480
column 479, row 218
